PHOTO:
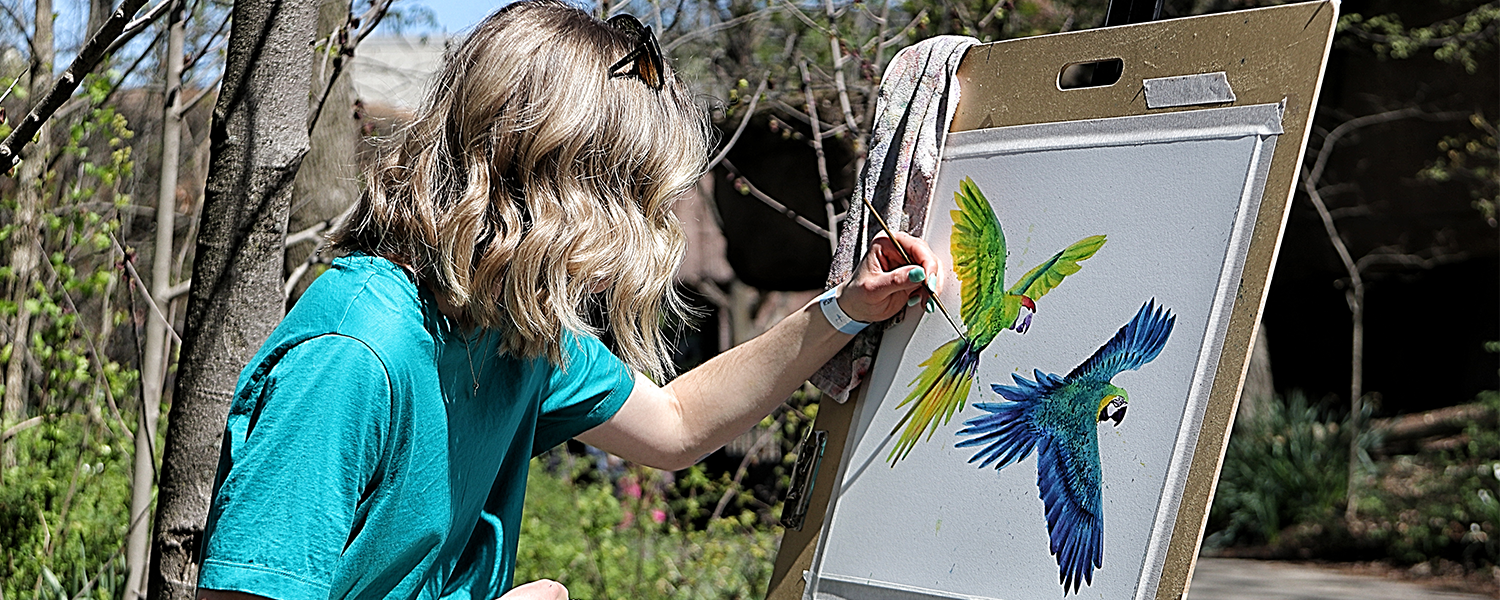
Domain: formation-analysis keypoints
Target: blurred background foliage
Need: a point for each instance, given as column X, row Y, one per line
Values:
column 778, row 77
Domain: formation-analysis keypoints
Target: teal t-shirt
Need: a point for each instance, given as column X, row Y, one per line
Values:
column 359, row 460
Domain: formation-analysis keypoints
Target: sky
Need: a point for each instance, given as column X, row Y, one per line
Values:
column 454, row 16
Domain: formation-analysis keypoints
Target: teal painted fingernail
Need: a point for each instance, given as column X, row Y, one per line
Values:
column 931, row 306
column 912, row 301
column 916, row 275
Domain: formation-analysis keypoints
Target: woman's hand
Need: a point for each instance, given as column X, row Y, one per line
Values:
column 884, row 282
column 543, row 589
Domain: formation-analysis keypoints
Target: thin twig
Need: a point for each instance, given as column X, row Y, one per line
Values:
column 817, row 144
column 208, row 46
column 771, row 202
column 13, row 82
column 203, row 93
column 739, row 473
column 720, row 26
column 802, row 16
column 97, row 357
column 313, row 257
column 367, row 23
column 141, row 284
column 749, row 112
column 901, row 35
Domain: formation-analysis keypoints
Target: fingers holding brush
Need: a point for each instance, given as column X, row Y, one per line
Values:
column 895, row 274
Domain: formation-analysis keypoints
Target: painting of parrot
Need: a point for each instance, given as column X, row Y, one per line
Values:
column 1058, row 418
column 987, row 308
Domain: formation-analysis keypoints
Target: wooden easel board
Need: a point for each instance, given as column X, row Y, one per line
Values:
column 1191, row 190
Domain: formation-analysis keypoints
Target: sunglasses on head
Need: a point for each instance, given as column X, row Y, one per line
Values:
column 645, row 61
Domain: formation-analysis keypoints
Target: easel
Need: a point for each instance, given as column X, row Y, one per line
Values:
column 1270, row 56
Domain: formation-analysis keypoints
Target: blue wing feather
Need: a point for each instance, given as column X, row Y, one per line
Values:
column 1134, row 345
column 1006, row 433
column 1070, row 488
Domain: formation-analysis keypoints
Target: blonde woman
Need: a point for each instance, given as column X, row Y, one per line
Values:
column 378, row 443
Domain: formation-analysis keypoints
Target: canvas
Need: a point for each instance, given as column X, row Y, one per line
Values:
column 1042, row 451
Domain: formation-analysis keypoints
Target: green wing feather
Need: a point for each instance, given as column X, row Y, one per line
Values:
column 978, row 252
column 1040, row 280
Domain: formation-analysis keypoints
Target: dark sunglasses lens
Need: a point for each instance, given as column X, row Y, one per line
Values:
column 649, row 65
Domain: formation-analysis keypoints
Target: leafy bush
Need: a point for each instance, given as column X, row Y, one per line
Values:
column 1441, row 505
column 1287, row 465
column 606, row 539
column 63, row 512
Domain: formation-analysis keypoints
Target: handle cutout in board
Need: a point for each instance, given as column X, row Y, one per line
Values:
column 1097, row 73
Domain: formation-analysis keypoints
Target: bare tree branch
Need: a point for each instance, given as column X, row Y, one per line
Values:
column 139, row 24
column 817, row 144
column 88, row 58
column 836, row 50
column 214, row 42
column 313, row 257
column 22, row 426
column 771, row 202
column 716, row 27
column 749, row 112
column 140, row 284
column 364, row 25
column 203, row 93
column 96, row 358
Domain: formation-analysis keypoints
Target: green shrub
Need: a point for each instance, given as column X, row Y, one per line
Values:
column 63, row 512
column 1287, row 465
column 604, row 540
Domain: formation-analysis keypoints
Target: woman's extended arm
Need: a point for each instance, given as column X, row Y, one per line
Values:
column 672, row 427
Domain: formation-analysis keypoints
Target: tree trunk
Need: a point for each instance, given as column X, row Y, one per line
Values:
column 259, row 137
column 26, row 241
column 1260, row 386
column 1356, row 298
column 329, row 183
column 153, row 361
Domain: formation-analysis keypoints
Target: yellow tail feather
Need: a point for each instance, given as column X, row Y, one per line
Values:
column 940, row 391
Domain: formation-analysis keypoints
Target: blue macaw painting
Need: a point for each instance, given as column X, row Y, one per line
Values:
column 1058, row 418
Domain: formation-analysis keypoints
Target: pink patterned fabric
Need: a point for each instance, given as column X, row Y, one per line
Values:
column 917, row 97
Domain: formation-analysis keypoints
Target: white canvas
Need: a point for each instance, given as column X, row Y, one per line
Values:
column 1176, row 195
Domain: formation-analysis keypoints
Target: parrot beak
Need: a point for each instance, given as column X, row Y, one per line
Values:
column 1023, row 320
column 1114, row 411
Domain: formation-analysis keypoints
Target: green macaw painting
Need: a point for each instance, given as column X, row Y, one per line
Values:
column 987, row 309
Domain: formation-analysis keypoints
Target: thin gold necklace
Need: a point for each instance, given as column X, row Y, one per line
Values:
column 470, row 351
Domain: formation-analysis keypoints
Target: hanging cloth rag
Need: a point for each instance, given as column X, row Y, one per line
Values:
column 917, row 98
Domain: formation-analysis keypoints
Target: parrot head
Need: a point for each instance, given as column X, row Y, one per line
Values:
column 1112, row 406
column 1023, row 318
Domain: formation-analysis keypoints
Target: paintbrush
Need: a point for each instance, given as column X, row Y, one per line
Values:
column 902, row 249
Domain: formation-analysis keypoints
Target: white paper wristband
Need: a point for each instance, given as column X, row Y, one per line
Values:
column 836, row 316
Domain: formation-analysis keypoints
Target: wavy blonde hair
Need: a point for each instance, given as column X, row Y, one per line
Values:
column 530, row 179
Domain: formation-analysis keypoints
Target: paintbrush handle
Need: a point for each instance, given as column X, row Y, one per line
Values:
column 907, row 257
